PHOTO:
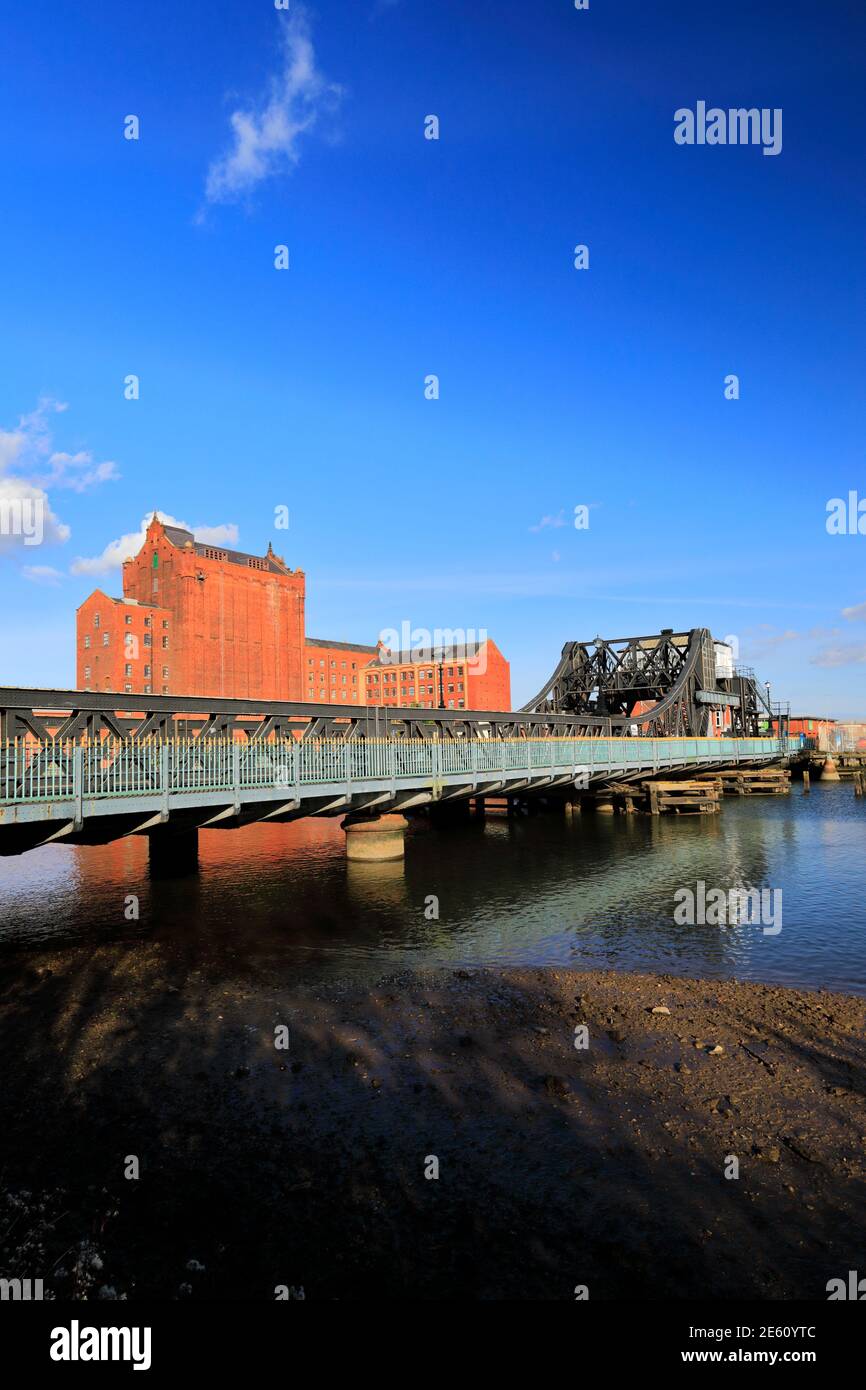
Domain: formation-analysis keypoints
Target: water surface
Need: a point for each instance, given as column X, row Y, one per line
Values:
column 539, row 890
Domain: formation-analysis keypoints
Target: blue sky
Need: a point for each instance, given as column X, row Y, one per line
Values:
column 304, row 388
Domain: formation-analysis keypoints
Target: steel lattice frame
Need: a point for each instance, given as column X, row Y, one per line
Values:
column 598, row 688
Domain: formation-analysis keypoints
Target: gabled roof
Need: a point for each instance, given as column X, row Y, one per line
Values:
column 419, row 656
column 341, row 646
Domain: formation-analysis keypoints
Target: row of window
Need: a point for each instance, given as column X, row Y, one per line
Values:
column 127, row 671
column 409, row 674
column 148, row 689
column 148, row 640
column 127, row 618
column 311, row 662
column 424, row 704
column 311, row 693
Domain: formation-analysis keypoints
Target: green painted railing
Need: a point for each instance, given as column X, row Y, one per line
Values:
column 58, row 771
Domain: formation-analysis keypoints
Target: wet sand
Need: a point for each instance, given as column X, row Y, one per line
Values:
column 305, row 1168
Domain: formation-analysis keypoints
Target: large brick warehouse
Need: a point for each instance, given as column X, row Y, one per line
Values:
column 199, row 619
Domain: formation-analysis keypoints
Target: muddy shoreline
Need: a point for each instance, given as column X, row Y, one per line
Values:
column 304, row 1167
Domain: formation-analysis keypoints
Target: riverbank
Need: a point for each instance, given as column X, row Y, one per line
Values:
column 305, row 1167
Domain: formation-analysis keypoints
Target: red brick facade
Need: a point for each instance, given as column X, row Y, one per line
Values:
column 334, row 672
column 474, row 676
column 200, row 619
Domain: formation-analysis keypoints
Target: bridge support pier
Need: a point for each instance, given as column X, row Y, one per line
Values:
column 173, row 853
column 375, row 839
column 830, row 772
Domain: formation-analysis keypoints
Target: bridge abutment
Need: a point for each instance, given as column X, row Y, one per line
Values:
column 375, row 839
column 173, row 853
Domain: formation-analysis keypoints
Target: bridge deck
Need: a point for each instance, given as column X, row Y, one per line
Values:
column 114, row 787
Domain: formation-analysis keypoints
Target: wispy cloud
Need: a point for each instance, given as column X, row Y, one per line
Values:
column 266, row 135
column 125, row 547
column 855, row 614
column 42, row 574
column 845, row 654
column 29, row 466
column 547, row 522
column 28, row 450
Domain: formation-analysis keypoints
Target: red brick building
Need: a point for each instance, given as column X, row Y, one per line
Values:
column 124, row 645
column 474, row 675
column 200, row 619
column 229, row 623
column 334, row 672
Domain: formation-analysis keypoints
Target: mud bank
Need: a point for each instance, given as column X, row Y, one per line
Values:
column 558, row 1166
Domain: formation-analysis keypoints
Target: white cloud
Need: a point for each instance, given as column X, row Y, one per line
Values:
column 226, row 534
column 855, row 614
column 29, row 449
column 42, row 574
column 125, row 547
column 845, row 654
column 265, row 138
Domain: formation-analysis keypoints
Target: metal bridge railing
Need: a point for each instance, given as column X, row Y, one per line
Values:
column 114, row 768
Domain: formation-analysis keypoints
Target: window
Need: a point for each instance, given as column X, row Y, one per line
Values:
column 128, row 688
column 148, row 690
column 87, row 640
column 165, row 644
column 147, row 670
column 343, row 678
column 147, row 622
column 309, row 661
column 333, row 663
column 105, row 637
column 96, row 620
column 165, row 690
column 342, row 665
column 165, row 673
column 127, row 670
column 154, row 588
column 148, row 640
column 165, row 622
column 155, row 561
column 127, row 618
column 87, row 673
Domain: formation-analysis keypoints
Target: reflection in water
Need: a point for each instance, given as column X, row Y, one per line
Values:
column 595, row 891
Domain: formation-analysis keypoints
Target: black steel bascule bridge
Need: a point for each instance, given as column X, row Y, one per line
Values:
column 88, row 767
